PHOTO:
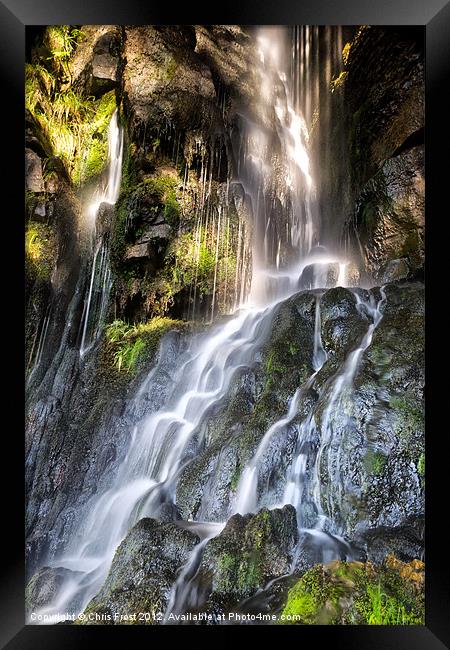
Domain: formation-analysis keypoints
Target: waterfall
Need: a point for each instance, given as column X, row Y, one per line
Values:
column 274, row 170
column 96, row 300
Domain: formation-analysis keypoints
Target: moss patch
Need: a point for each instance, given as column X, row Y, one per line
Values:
column 374, row 462
column 40, row 249
column 129, row 345
column 74, row 126
column 358, row 593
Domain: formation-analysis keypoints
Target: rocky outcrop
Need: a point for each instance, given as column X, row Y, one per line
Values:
column 390, row 215
column 95, row 64
column 379, row 104
column 358, row 594
column 248, row 553
column 142, row 573
column 378, row 436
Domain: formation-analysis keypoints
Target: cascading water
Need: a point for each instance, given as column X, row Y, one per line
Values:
column 96, row 301
column 273, row 168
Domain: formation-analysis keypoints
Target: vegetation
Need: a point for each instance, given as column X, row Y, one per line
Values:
column 374, row 462
column 129, row 344
column 358, row 593
column 421, row 465
column 40, row 248
column 74, row 126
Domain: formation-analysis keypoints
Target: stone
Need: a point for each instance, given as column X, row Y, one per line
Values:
column 394, row 270
column 249, row 552
column 44, row 587
column 144, row 246
column 104, row 66
column 34, row 181
column 391, row 214
column 143, row 569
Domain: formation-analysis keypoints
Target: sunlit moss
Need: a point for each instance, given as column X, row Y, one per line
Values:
column 346, row 53
column 129, row 344
column 374, row 462
column 358, row 593
column 421, row 465
column 40, row 248
column 338, row 82
column 75, row 126
column 95, row 157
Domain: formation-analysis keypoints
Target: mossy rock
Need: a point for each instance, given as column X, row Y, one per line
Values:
column 250, row 551
column 358, row 593
column 143, row 569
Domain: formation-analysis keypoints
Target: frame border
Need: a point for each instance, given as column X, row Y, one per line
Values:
column 434, row 15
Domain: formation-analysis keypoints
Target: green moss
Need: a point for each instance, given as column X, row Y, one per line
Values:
column 409, row 422
column 95, row 156
column 358, row 593
column 380, row 608
column 411, row 245
column 421, row 465
column 301, row 606
column 337, row 83
column 171, row 69
column 131, row 344
column 40, row 249
column 74, row 126
column 374, row 462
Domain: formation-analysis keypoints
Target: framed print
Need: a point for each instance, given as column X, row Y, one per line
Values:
column 227, row 405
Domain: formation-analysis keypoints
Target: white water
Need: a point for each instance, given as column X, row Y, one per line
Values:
column 246, row 499
column 184, row 590
column 162, row 443
column 96, row 302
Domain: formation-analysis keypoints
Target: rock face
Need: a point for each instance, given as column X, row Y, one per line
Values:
column 94, row 64
column 390, row 213
column 380, row 105
column 34, row 181
column 143, row 570
column 381, row 430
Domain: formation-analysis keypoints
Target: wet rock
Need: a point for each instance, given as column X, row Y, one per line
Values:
column 104, row 219
column 34, row 181
column 405, row 542
column 394, row 270
column 248, row 553
column 320, row 275
column 351, row 592
column 352, row 275
column 371, row 472
column 143, row 569
column 94, row 64
column 153, row 237
column 343, row 324
column 44, row 587
column 168, row 512
column 165, row 81
column 257, row 398
column 391, row 216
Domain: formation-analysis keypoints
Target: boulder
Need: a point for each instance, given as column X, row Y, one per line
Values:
column 249, row 552
column 143, row 570
column 45, row 585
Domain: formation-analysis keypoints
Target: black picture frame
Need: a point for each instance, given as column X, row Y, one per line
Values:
column 434, row 15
